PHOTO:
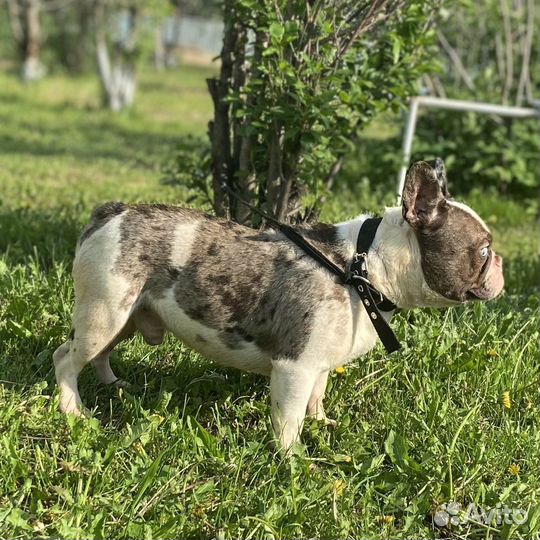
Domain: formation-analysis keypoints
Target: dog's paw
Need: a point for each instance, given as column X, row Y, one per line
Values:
column 322, row 418
column 329, row 421
column 120, row 383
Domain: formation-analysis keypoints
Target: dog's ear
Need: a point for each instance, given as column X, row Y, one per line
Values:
column 437, row 165
column 425, row 193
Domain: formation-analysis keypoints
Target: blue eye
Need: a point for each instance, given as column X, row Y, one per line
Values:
column 484, row 251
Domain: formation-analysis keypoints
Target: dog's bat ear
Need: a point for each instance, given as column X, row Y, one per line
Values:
column 437, row 165
column 424, row 194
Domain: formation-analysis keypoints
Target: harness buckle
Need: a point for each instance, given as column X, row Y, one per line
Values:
column 359, row 256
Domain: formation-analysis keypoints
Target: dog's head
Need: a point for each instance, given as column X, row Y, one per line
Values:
column 458, row 261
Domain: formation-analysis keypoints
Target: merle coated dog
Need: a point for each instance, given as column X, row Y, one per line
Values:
column 253, row 300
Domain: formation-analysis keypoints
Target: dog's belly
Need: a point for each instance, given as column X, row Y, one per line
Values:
column 209, row 342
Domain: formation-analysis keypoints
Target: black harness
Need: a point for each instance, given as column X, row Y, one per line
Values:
column 373, row 301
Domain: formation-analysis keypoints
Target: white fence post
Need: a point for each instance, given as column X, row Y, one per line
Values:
column 407, row 145
column 456, row 105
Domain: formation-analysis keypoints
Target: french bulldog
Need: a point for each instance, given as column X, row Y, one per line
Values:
column 253, row 300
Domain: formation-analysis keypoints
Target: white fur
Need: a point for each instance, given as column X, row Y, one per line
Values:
column 184, row 236
column 103, row 302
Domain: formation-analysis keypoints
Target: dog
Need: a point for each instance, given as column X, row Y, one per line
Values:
column 253, row 300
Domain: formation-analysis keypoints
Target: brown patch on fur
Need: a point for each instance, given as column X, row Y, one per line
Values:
column 146, row 235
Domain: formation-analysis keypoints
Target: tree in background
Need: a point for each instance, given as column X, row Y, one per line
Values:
column 69, row 36
column 116, row 56
column 118, row 29
column 25, row 22
column 297, row 80
column 488, row 48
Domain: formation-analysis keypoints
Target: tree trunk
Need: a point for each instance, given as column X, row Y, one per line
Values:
column 32, row 69
column 118, row 77
column 275, row 181
column 219, row 128
column 246, row 181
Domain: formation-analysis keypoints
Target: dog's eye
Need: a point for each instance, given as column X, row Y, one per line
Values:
column 484, row 251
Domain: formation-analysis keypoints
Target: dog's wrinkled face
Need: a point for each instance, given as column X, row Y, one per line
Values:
column 455, row 244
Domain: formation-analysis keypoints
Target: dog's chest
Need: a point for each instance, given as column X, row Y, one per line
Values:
column 361, row 336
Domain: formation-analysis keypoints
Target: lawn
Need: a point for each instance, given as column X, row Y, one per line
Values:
column 187, row 452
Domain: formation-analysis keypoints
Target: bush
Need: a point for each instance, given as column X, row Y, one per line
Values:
column 297, row 80
column 481, row 152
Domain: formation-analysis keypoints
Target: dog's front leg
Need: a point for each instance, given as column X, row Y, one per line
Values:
column 315, row 408
column 291, row 386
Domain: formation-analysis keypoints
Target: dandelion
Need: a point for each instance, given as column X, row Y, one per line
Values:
column 340, row 370
column 492, row 353
column 338, row 487
column 199, row 511
column 514, row 469
column 506, row 401
column 386, row 520
column 39, row 527
column 139, row 448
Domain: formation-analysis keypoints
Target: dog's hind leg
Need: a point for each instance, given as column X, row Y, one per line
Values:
column 97, row 328
column 101, row 363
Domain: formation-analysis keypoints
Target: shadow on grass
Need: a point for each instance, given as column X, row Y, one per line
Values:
column 49, row 237
column 45, row 236
column 65, row 129
column 193, row 385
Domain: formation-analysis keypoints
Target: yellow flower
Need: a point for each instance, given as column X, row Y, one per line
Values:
column 386, row 520
column 139, row 448
column 514, row 469
column 506, row 400
column 39, row 527
column 492, row 353
column 338, row 487
column 340, row 370
column 199, row 511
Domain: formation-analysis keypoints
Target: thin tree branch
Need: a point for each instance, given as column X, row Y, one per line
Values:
column 456, row 60
column 508, row 50
column 526, row 55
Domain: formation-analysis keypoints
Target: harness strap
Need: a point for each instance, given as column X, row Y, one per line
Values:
column 373, row 301
column 294, row 236
column 357, row 276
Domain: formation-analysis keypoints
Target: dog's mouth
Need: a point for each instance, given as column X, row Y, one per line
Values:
column 479, row 293
column 488, row 291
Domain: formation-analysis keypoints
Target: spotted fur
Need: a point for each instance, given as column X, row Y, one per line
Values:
column 255, row 301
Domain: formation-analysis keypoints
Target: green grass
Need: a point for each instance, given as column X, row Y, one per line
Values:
column 188, row 452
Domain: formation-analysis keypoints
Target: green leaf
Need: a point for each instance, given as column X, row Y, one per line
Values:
column 147, row 480
column 276, row 31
